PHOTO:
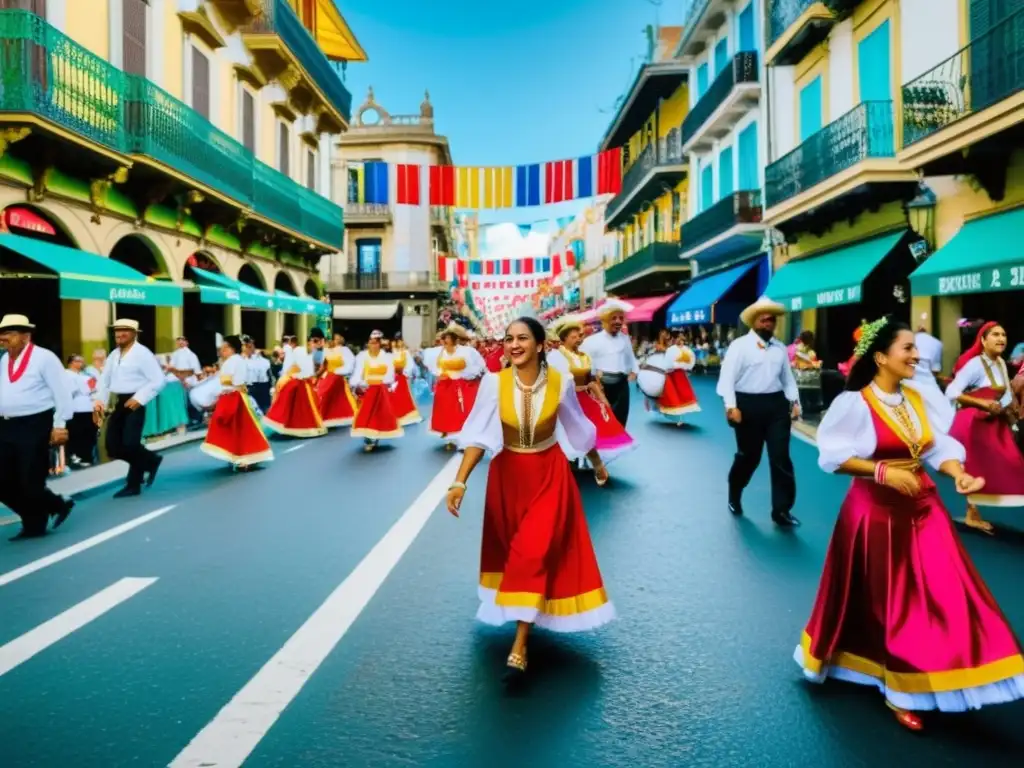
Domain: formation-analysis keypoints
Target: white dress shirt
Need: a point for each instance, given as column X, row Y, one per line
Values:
column 975, row 375
column 258, row 369
column 610, row 354
column 81, row 395
column 930, row 350
column 41, row 387
column 236, row 370
column 303, row 359
column 184, row 359
column 753, row 367
column 136, row 373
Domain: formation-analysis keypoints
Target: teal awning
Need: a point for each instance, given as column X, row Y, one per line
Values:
column 215, row 288
column 986, row 255
column 84, row 275
column 302, row 305
column 830, row 279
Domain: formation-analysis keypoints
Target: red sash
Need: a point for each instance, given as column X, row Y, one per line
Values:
column 16, row 373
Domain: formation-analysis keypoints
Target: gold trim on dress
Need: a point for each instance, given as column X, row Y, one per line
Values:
column 562, row 606
column 898, row 420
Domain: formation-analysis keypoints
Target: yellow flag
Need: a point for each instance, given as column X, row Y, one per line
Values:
column 505, row 196
column 489, row 175
column 467, row 193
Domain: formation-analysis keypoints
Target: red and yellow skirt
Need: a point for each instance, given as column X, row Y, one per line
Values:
column 294, row 411
column 453, row 400
column 612, row 438
column 992, row 453
column 678, row 398
column 376, row 418
column 337, row 403
column 537, row 563
column 403, row 404
column 234, row 434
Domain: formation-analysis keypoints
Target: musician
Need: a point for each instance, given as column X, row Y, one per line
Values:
column 761, row 399
column 611, row 353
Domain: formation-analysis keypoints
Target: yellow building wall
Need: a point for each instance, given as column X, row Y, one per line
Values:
column 173, row 53
column 88, row 23
column 673, row 110
column 887, row 218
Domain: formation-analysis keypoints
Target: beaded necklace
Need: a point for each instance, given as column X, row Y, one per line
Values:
column 526, row 420
column 901, row 413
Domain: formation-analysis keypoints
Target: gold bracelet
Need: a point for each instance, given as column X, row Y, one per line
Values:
column 456, row 484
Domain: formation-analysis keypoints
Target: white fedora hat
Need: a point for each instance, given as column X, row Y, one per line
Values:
column 763, row 306
column 611, row 306
column 125, row 325
column 456, row 330
column 11, row 322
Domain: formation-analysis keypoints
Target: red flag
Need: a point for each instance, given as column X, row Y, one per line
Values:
column 506, row 266
column 442, row 185
column 442, row 268
column 527, row 266
column 609, row 172
column 556, row 265
column 408, row 184
column 570, row 258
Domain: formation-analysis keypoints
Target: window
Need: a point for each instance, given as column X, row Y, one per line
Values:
column 311, row 169
column 748, row 39
column 677, row 210
column 702, row 79
column 248, row 118
column 284, row 147
column 200, row 83
column 38, row 7
column 811, row 108
column 368, row 256
column 725, row 172
column 721, row 55
column 133, row 20
column 748, row 162
column 353, row 185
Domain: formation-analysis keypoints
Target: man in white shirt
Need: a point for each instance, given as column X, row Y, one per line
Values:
column 258, row 375
column 134, row 377
column 184, row 364
column 761, row 400
column 611, row 357
column 35, row 406
column 930, row 350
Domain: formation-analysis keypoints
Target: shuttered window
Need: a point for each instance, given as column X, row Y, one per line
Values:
column 284, row 145
column 38, row 53
column 134, row 33
column 38, row 7
column 311, row 169
column 248, row 121
column 200, row 83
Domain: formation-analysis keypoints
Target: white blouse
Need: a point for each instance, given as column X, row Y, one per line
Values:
column 358, row 378
column 573, row 430
column 475, row 366
column 675, row 352
column 237, row 368
column 411, row 369
column 303, row 360
column 847, row 431
column 974, row 376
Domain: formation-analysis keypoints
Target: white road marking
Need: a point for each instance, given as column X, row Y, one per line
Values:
column 294, row 448
column 229, row 739
column 23, row 648
column 74, row 549
column 803, row 436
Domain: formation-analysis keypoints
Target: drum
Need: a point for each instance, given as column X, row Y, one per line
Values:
column 203, row 395
column 651, row 379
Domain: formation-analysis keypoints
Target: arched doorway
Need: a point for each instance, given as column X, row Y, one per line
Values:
column 312, row 289
column 254, row 321
column 25, row 289
column 202, row 322
column 283, row 282
column 138, row 253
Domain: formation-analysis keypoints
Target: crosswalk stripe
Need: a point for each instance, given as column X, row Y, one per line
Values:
column 23, row 648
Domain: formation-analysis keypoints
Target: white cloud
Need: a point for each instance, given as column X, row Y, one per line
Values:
column 503, row 241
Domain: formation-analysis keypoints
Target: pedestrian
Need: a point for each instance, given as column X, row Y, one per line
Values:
column 537, row 562
column 295, row 411
column 373, row 379
column 258, row 373
column 82, row 428
column 761, row 400
column 133, row 375
column 900, row 605
column 337, row 403
column 611, row 353
column 35, row 406
column 458, row 371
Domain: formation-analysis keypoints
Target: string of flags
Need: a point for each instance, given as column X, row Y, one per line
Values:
column 518, row 186
column 451, row 269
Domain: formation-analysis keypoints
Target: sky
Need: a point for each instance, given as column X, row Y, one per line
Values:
column 511, row 82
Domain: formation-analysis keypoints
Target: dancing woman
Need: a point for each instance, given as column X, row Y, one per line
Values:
column 537, row 563
column 402, row 399
column 337, row 403
column 458, row 375
column 981, row 387
column 373, row 378
column 678, row 398
column 295, row 411
column 900, row 605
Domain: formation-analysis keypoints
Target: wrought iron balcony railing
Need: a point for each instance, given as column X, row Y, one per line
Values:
column 742, row 69
column 667, row 151
column 987, row 70
column 276, row 17
column 737, row 208
column 782, row 14
column 384, row 281
column 866, row 131
column 46, row 73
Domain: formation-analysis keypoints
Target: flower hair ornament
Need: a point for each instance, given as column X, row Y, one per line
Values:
column 376, row 335
column 868, row 333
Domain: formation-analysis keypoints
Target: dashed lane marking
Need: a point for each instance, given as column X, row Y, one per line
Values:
column 294, row 448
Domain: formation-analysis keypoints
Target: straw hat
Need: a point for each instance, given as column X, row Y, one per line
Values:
column 15, row 323
column 566, row 323
column 456, row 330
column 125, row 325
column 612, row 306
column 763, row 306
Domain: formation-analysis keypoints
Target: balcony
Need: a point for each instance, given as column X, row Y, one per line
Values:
column 971, row 96
column 845, row 156
column 661, row 164
column 286, row 52
column 402, row 282
column 796, row 26
column 701, row 18
column 735, row 90
column 726, row 229
column 367, row 214
column 655, row 267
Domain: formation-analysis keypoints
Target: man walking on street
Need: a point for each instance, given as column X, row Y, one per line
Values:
column 35, row 406
column 612, row 358
column 761, row 400
column 134, row 376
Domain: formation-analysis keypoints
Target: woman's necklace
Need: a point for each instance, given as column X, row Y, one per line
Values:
column 901, row 414
column 526, row 420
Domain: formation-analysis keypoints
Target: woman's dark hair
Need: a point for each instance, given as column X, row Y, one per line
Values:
column 234, row 342
column 72, row 358
column 316, row 332
column 806, row 337
column 864, row 369
column 537, row 331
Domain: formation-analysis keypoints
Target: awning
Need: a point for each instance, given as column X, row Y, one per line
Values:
column 831, row 279
column 697, row 303
column 643, row 309
column 986, row 255
column 301, row 305
column 215, row 288
column 85, row 275
column 365, row 311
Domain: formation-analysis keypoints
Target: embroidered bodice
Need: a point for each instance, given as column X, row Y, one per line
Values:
column 398, row 360
column 902, row 428
column 579, row 366
column 450, row 363
column 528, row 414
column 333, row 358
column 374, row 370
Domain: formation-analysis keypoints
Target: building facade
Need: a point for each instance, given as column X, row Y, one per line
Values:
column 168, row 160
column 386, row 278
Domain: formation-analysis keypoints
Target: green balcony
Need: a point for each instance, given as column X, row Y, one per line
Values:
column 655, row 267
column 796, row 26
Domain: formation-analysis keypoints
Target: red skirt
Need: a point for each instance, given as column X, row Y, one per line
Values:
column 537, row 563
column 294, row 411
column 234, row 434
column 902, row 607
column 376, row 418
column 403, row 404
column 337, row 404
column 992, row 453
column 453, row 400
column 678, row 398
column 612, row 437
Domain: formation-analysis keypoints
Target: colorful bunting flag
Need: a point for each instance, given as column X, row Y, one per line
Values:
column 408, row 192
column 609, row 172
column 375, row 183
column 442, row 185
column 527, row 185
column 467, row 191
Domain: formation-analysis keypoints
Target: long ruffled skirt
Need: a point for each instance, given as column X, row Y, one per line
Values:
column 678, row 398
column 537, row 563
column 376, row 419
column 612, row 438
column 902, row 607
column 453, row 400
column 167, row 411
column 403, row 404
column 337, row 403
column 992, row 453
column 295, row 412
column 234, row 434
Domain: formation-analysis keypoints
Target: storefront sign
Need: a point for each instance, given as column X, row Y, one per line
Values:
column 155, row 294
column 1008, row 278
column 133, row 295
column 22, row 218
column 832, row 298
column 689, row 317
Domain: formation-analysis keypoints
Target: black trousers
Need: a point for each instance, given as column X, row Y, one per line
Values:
column 82, row 434
column 24, row 468
column 616, row 389
column 260, row 392
column 124, row 441
column 765, row 421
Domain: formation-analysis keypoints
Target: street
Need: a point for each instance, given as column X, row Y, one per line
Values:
column 197, row 637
